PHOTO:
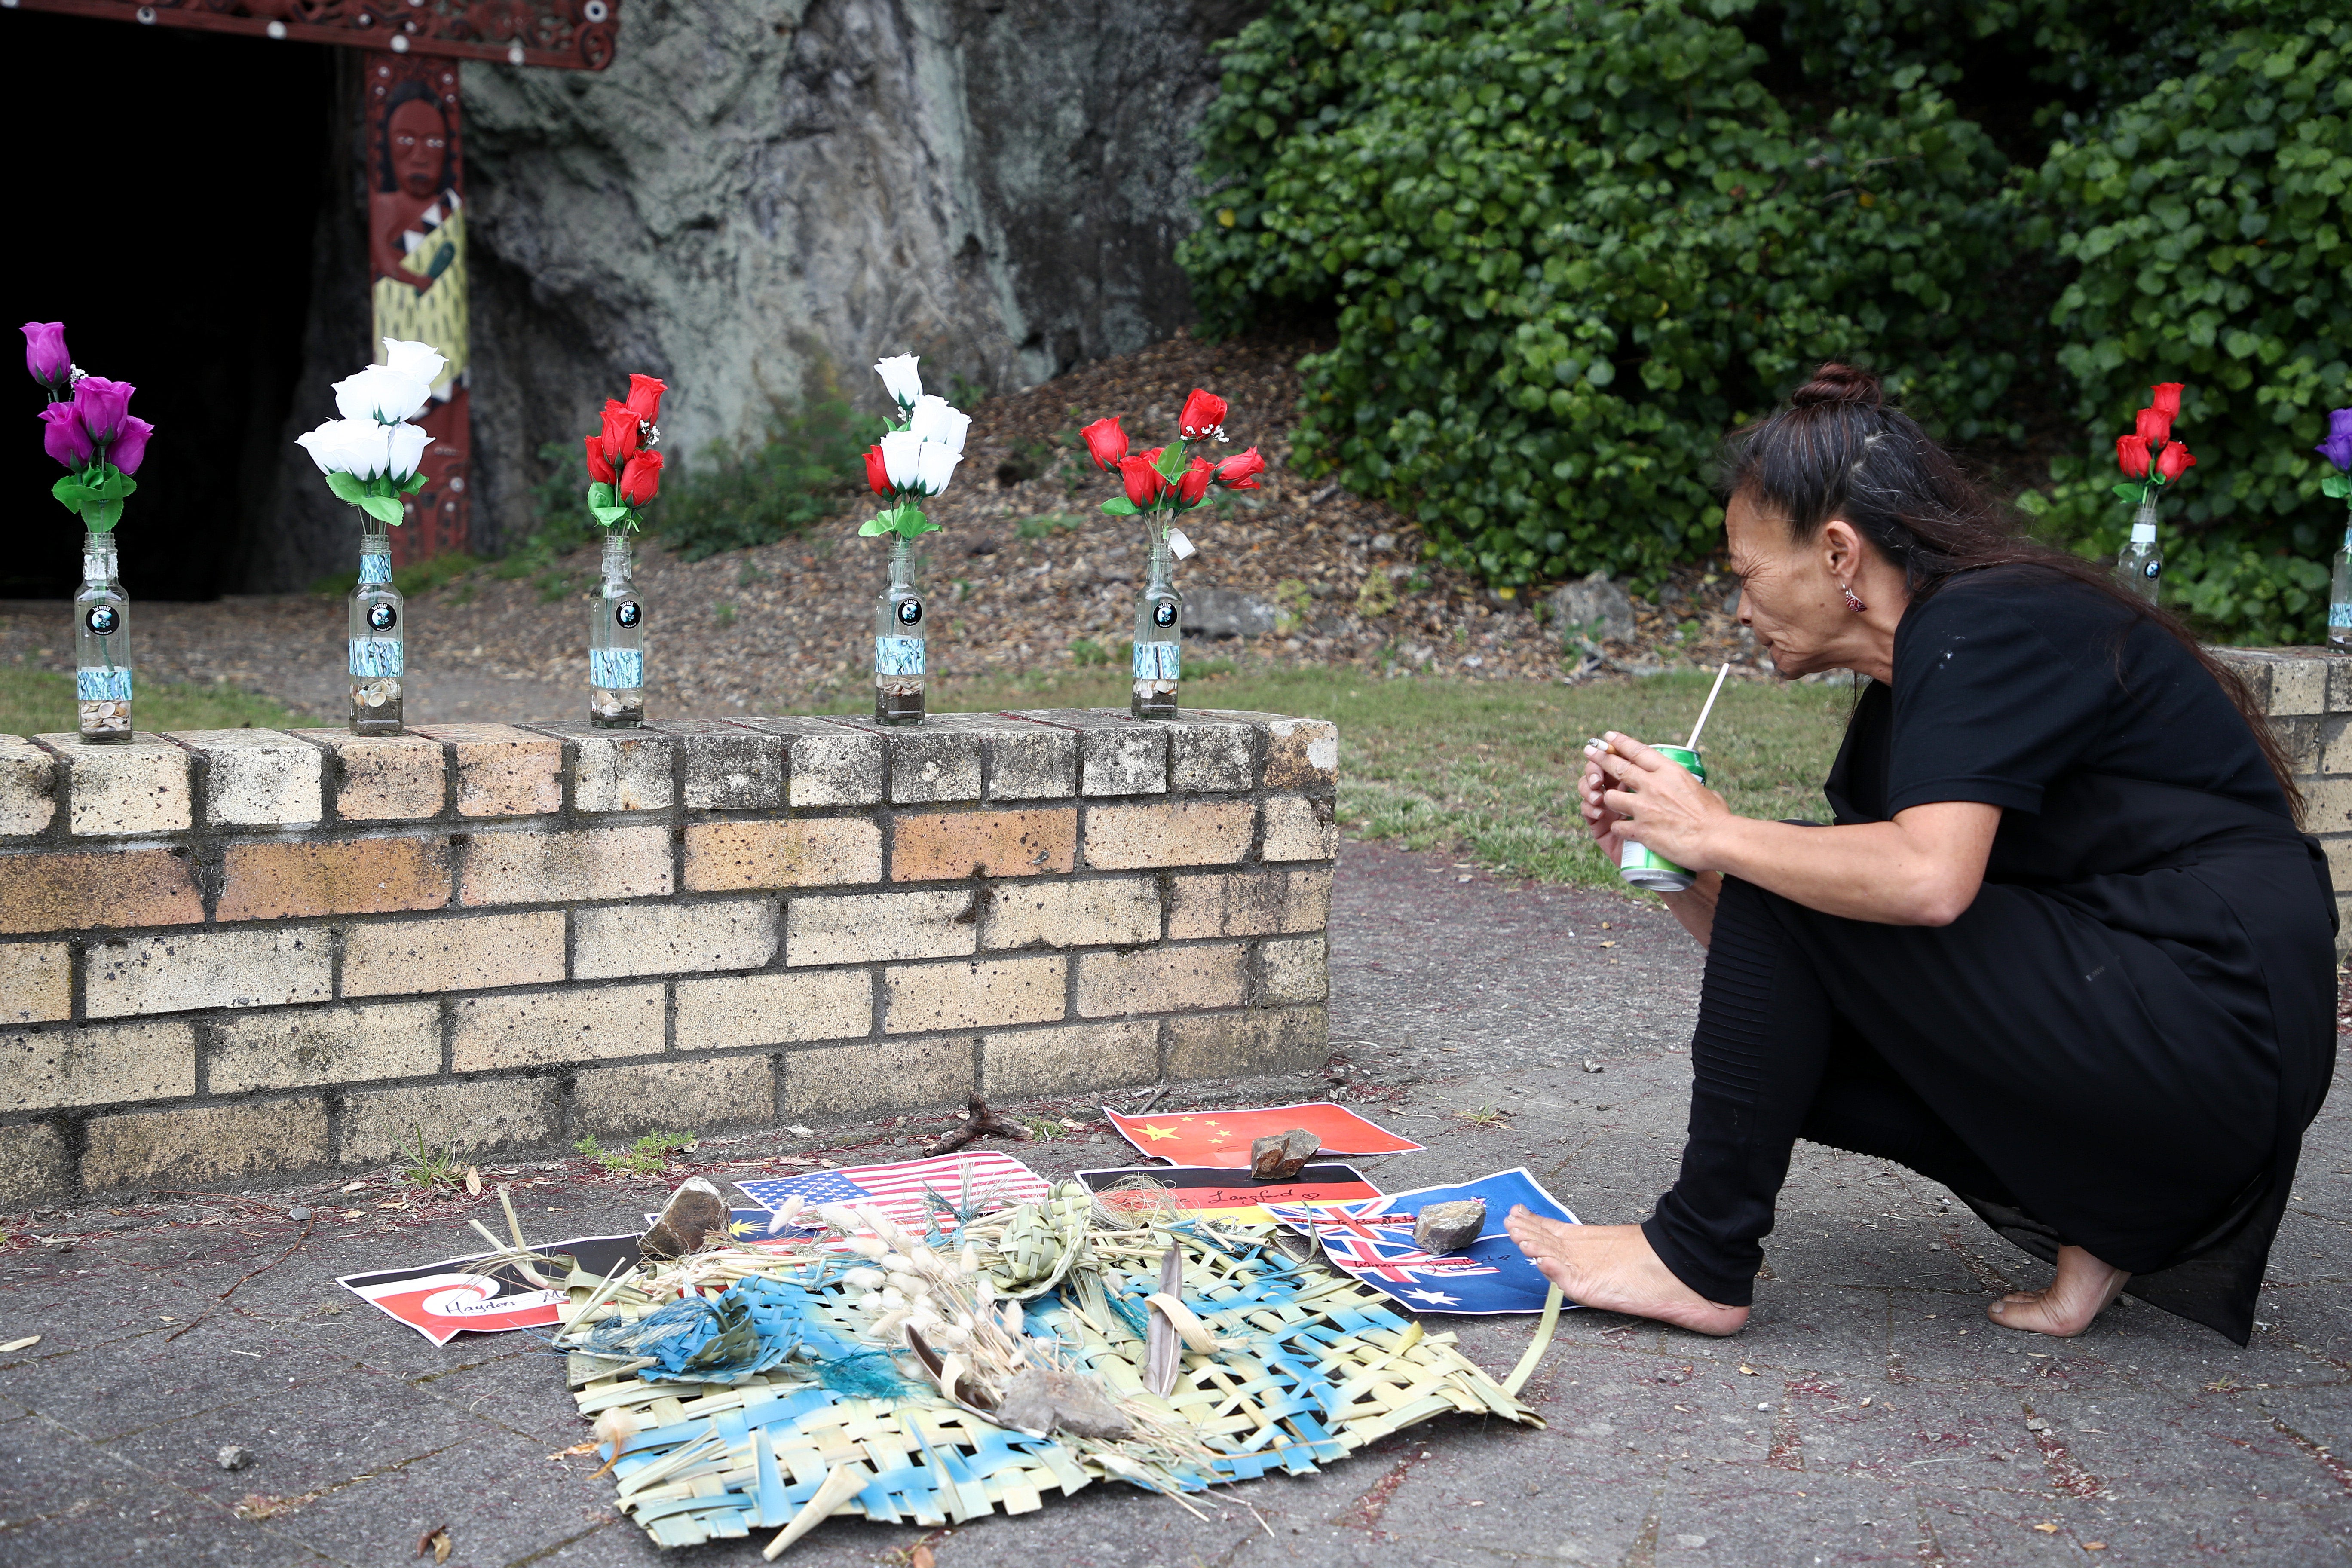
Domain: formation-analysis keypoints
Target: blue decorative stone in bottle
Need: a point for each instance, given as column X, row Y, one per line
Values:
column 1159, row 639
column 102, row 644
column 378, row 637
column 898, row 642
column 616, row 642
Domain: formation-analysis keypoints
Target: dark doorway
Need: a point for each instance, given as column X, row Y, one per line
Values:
column 174, row 242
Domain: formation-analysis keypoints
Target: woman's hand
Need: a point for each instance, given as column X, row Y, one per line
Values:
column 1598, row 818
column 1641, row 797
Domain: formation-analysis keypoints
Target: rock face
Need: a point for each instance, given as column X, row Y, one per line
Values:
column 1595, row 610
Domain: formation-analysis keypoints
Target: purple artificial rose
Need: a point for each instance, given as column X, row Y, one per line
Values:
column 2337, row 447
column 44, row 354
column 63, row 438
column 101, row 404
column 130, row 444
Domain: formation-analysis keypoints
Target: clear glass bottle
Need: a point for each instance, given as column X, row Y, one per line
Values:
column 616, row 642
column 2141, row 564
column 2339, row 598
column 899, row 641
column 102, row 644
column 1159, row 639
column 379, row 632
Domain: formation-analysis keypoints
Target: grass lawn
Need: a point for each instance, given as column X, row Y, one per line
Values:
column 1485, row 769
column 41, row 702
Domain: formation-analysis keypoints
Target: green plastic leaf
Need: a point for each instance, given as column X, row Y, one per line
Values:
column 2336, row 485
column 2128, row 490
column 1171, row 461
column 383, row 509
column 347, row 487
column 608, row 515
column 412, row 484
column 72, row 492
column 1120, row 506
column 102, row 517
column 602, row 494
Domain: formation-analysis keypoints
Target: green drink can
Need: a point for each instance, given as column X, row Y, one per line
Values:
column 1644, row 867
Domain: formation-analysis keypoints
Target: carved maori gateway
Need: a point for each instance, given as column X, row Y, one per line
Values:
column 414, row 168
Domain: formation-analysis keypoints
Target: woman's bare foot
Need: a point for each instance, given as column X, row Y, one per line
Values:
column 1612, row 1267
column 2082, row 1291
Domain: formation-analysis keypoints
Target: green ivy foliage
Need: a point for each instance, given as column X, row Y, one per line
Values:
column 1571, row 244
column 2211, row 221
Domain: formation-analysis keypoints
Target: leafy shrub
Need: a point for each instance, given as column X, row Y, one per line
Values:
column 1570, row 244
column 733, row 497
column 2210, row 220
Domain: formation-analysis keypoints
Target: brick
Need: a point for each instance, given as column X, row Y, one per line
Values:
column 805, row 852
column 1293, row 971
column 1299, row 827
column 1162, row 979
column 891, row 1075
column 96, row 1064
column 35, row 981
column 826, row 763
column 258, row 778
column 94, row 888
column 1185, row 833
column 1068, row 1059
column 1247, row 1045
column 2299, row 685
column 1115, row 911
column 382, row 1126
column 301, row 1048
column 982, row 844
column 465, row 953
column 617, row 770
column 623, row 940
column 2327, row 807
column 1249, row 903
column 2253, row 670
column 544, row 866
column 2336, row 750
column 116, row 788
column 502, row 770
column 205, row 1144
column 1211, row 754
column 2339, row 859
column 2300, row 739
column 382, row 778
column 726, row 767
column 36, row 1164
column 862, row 928
column 673, row 1097
column 732, row 1011
column 28, row 782
column 1026, row 760
column 179, row 972
column 923, row 997
column 535, row 1028
column 2339, row 686
column 1117, row 754
column 1300, row 753
column 929, row 764
column 296, row 880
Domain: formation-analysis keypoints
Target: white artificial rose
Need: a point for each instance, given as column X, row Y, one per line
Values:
column 359, row 447
column 422, row 361
column 408, row 442
column 382, row 394
column 899, row 379
column 936, row 422
column 901, row 457
column 935, row 463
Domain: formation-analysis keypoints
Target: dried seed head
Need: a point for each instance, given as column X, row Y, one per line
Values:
column 864, row 1280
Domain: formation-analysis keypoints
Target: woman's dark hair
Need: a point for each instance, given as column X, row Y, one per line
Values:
column 1837, row 450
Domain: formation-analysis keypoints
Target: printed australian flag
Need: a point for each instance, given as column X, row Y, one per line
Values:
column 1372, row 1240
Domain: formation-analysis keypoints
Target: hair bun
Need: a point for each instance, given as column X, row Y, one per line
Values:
column 1836, row 384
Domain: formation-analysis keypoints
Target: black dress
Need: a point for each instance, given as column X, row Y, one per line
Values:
column 2120, row 1043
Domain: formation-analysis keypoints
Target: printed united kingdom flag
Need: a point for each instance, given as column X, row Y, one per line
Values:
column 985, row 1180
column 1372, row 1240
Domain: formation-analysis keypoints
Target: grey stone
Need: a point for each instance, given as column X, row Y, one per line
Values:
column 694, row 1211
column 1449, row 1227
column 297, row 1213
column 234, row 1458
column 1227, row 613
column 1595, row 610
column 1279, row 1156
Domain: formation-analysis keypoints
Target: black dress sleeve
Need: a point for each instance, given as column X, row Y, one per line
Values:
column 2000, row 685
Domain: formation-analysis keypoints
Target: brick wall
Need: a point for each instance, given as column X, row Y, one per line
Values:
column 2307, row 693
column 231, row 953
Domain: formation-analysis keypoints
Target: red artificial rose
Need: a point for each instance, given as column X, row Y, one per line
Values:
column 1144, row 485
column 1240, row 471
column 645, row 397
column 641, row 481
column 2164, row 399
column 620, row 436
column 1106, row 443
column 2155, row 427
column 1194, row 482
column 1203, row 412
column 877, row 472
column 2131, row 456
column 2174, row 461
column 598, row 468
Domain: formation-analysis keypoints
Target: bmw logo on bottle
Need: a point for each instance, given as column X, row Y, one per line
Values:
column 1164, row 614
column 382, row 617
column 911, row 611
column 104, row 620
column 628, row 613
column 2155, row 568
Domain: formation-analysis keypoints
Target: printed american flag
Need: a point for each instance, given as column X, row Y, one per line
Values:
column 984, row 1180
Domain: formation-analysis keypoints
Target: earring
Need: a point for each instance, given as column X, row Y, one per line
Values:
column 1856, row 605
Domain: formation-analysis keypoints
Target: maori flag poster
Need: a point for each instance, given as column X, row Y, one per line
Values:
column 474, row 1295
column 1222, row 1137
column 1373, row 1241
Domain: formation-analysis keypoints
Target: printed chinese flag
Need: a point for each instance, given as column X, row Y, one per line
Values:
column 1222, row 1137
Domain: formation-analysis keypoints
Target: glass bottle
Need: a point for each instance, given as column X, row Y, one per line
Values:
column 102, row 644
column 1159, row 639
column 2339, row 598
column 378, row 637
column 616, row 642
column 898, row 638
column 2142, row 563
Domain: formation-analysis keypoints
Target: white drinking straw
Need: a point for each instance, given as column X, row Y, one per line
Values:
column 1692, row 744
